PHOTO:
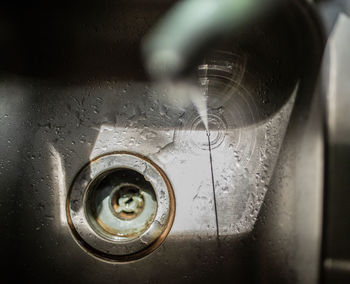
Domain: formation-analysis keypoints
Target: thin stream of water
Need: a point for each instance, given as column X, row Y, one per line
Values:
column 213, row 185
column 199, row 100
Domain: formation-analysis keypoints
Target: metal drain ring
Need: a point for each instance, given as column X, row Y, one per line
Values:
column 121, row 248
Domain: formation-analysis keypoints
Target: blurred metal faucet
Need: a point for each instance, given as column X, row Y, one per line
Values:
column 188, row 28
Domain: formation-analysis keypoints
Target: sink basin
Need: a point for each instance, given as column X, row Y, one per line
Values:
column 72, row 89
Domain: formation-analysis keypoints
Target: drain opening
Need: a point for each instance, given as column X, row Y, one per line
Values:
column 127, row 202
column 121, row 203
column 115, row 212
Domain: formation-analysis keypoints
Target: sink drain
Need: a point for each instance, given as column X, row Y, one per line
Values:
column 120, row 206
column 128, row 202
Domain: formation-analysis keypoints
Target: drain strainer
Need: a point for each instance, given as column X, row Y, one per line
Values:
column 121, row 206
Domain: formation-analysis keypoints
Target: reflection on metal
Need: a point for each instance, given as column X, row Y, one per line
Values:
column 336, row 74
column 338, row 83
column 145, row 140
column 59, row 176
column 243, row 166
column 338, row 265
column 143, row 194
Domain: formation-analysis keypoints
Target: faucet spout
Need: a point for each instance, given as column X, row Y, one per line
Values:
column 188, row 27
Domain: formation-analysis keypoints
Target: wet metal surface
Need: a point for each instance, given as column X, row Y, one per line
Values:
column 87, row 96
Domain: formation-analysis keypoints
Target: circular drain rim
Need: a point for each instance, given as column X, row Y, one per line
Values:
column 121, row 249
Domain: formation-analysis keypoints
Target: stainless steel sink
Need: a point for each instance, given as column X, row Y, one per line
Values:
column 72, row 88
